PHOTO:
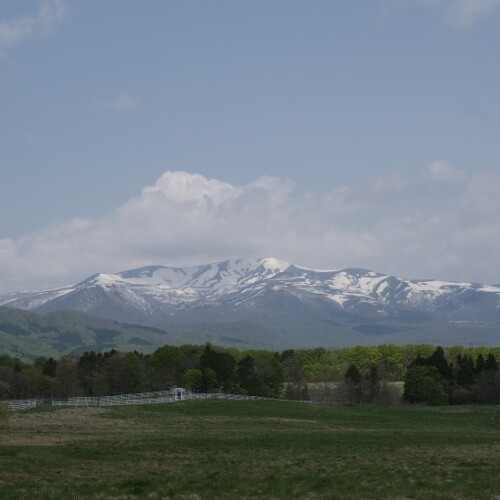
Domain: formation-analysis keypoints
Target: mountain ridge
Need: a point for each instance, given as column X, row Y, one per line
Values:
column 278, row 297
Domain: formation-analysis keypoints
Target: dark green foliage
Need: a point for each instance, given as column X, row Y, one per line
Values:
column 356, row 375
column 248, row 380
column 423, row 384
column 353, row 375
column 270, row 372
column 192, row 380
column 353, row 382
column 135, row 364
column 462, row 382
column 296, row 387
column 438, row 360
column 373, row 380
column 465, row 373
column 49, row 367
column 486, row 388
column 480, row 364
column 89, row 372
column 287, row 354
column 223, row 364
column 209, row 381
column 491, row 362
column 165, row 365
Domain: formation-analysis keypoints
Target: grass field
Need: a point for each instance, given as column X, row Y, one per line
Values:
column 230, row 449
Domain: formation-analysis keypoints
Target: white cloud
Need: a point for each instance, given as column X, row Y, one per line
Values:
column 185, row 187
column 440, row 172
column 51, row 15
column 458, row 13
column 438, row 222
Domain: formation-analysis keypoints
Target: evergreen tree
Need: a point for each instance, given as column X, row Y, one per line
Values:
column 352, row 374
column 49, row 367
column 465, row 370
column 438, row 360
column 90, row 366
column 135, row 365
column 223, row 364
column 373, row 384
column 209, row 380
column 353, row 382
column 491, row 362
column 480, row 364
column 247, row 377
column 165, row 367
column 287, row 354
column 273, row 377
column 423, row 384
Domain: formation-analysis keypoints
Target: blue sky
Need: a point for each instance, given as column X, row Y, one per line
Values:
column 334, row 134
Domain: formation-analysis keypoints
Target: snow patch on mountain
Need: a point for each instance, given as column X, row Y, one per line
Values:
column 31, row 299
column 241, row 283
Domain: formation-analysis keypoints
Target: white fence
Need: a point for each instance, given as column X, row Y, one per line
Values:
column 144, row 398
column 22, row 404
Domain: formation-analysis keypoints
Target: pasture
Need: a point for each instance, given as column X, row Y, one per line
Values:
column 252, row 449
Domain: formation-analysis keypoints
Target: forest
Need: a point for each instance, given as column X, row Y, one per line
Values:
column 385, row 374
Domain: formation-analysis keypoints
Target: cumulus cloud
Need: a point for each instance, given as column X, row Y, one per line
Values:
column 438, row 222
column 51, row 15
column 184, row 187
column 458, row 13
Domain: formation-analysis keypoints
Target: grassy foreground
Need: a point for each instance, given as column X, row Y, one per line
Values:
column 230, row 449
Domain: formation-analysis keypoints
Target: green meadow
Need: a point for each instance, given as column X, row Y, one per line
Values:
column 247, row 449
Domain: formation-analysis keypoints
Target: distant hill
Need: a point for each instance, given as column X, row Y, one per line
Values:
column 262, row 302
column 28, row 335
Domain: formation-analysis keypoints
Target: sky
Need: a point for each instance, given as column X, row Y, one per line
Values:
column 331, row 134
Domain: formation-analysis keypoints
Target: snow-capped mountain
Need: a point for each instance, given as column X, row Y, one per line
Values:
column 278, row 296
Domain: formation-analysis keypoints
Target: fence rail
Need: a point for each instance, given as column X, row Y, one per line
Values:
column 144, row 398
column 22, row 404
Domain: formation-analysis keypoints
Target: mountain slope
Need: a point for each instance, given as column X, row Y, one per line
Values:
column 27, row 335
column 287, row 305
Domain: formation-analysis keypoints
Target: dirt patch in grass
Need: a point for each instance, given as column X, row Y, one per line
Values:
column 297, row 422
column 61, row 427
column 38, row 440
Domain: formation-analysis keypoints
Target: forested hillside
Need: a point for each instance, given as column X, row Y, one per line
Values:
column 28, row 335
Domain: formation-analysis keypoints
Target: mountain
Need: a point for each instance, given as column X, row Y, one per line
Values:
column 267, row 302
column 27, row 335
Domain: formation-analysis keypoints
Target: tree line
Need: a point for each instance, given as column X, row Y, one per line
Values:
column 354, row 375
column 198, row 368
column 437, row 381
